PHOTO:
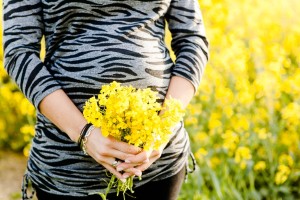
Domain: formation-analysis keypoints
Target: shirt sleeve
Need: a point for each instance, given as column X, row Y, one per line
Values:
column 23, row 30
column 189, row 41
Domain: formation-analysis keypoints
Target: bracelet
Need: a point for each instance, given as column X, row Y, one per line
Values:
column 83, row 133
column 85, row 139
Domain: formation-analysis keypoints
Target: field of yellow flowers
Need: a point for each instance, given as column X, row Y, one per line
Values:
column 244, row 123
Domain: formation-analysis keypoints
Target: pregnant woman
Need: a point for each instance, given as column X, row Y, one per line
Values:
column 88, row 44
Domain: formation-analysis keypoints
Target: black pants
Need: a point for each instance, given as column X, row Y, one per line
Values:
column 167, row 189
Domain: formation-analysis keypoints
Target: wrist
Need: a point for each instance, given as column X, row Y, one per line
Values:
column 84, row 137
column 74, row 134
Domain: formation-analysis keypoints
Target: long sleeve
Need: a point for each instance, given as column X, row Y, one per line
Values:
column 188, row 40
column 23, row 30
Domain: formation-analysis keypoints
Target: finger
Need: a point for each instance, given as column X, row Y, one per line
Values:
column 154, row 156
column 127, row 174
column 123, row 146
column 114, row 153
column 112, row 162
column 142, row 157
column 122, row 166
column 131, row 172
column 144, row 166
column 105, row 149
column 114, row 171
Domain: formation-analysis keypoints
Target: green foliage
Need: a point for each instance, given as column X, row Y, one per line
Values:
column 244, row 123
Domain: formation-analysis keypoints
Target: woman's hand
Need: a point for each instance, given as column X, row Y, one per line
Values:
column 105, row 150
column 140, row 162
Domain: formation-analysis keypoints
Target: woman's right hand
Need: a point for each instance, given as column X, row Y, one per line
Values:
column 62, row 112
column 106, row 150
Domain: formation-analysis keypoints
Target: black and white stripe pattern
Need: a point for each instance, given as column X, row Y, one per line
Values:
column 90, row 43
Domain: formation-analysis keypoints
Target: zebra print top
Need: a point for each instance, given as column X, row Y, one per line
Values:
column 90, row 43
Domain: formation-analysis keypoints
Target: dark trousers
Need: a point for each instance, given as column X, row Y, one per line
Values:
column 166, row 189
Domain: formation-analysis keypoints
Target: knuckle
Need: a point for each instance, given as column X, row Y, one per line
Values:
column 108, row 143
column 123, row 157
column 99, row 158
column 156, row 154
column 145, row 156
column 103, row 154
column 130, row 149
column 159, row 154
column 143, row 168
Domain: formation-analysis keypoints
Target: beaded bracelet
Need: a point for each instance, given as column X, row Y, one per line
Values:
column 84, row 141
column 83, row 133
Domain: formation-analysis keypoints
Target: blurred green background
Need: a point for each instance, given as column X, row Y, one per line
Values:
column 244, row 122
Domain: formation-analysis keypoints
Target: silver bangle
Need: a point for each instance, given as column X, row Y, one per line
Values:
column 84, row 141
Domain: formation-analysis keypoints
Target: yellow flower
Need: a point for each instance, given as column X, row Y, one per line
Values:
column 191, row 120
column 291, row 139
column 282, row 174
column 260, row 166
column 242, row 155
column 28, row 130
column 214, row 162
column 200, row 155
column 291, row 113
column 262, row 133
column 26, row 108
column 286, row 159
column 228, row 111
column 2, row 127
column 132, row 115
column 214, row 121
column 230, row 141
column 240, row 123
column 201, row 137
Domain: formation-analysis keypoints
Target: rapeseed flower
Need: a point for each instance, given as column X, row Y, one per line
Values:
column 242, row 155
column 134, row 116
column 260, row 166
column 282, row 174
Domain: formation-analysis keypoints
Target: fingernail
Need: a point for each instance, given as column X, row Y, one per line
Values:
column 123, row 180
column 146, row 161
column 127, row 161
column 120, row 169
column 138, row 173
column 125, row 176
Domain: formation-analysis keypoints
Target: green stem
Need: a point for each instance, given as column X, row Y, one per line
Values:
column 120, row 186
column 109, row 186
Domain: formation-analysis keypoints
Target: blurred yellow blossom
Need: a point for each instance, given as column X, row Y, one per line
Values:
column 282, row 174
column 200, row 155
column 228, row 111
column 214, row 162
column 27, row 129
column 201, row 137
column 262, row 133
column 214, row 121
column 191, row 120
column 231, row 140
column 260, row 166
column 291, row 113
column 286, row 159
column 242, row 155
column 291, row 139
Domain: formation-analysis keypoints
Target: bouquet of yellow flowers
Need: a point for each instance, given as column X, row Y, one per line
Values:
column 134, row 116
